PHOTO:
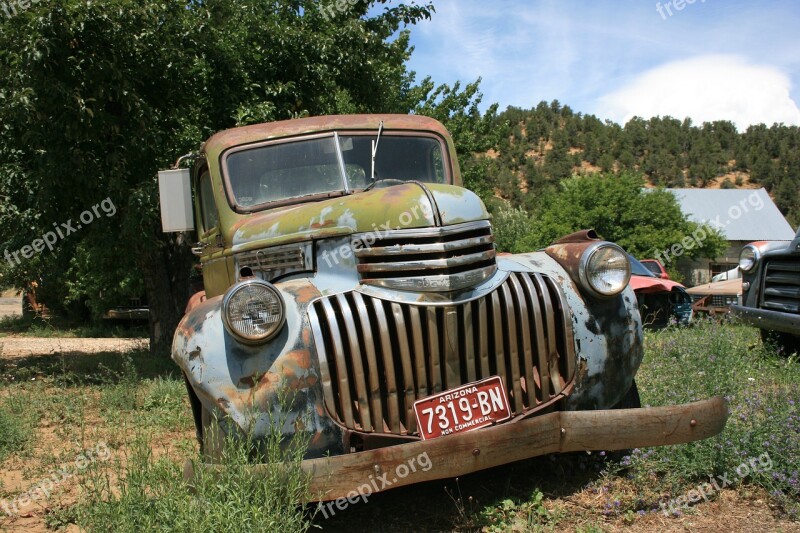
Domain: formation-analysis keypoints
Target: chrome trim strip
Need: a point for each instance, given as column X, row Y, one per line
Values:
column 427, row 264
column 420, row 233
column 435, row 248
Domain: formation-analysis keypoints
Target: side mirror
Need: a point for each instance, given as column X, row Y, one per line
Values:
column 175, row 192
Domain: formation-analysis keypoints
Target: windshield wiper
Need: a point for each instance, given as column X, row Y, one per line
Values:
column 375, row 151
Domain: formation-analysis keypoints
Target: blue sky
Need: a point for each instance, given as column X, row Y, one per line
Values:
column 713, row 59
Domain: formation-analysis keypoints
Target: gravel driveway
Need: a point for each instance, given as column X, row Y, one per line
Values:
column 10, row 307
column 28, row 346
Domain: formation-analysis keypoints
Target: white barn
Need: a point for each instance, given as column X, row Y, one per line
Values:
column 741, row 215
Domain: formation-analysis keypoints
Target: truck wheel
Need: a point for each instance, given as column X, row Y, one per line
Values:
column 213, row 437
column 631, row 399
column 786, row 342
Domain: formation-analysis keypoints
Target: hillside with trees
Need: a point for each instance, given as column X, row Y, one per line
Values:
column 537, row 149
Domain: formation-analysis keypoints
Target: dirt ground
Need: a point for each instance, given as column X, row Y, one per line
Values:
column 10, row 304
column 33, row 346
column 732, row 511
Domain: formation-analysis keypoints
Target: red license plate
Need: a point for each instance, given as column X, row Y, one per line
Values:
column 465, row 408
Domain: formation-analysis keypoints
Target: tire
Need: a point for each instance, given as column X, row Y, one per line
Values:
column 785, row 342
column 631, row 399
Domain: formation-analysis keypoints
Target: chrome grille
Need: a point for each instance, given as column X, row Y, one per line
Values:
column 378, row 357
column 429, row 259
column 782, row 286
column 271, row 263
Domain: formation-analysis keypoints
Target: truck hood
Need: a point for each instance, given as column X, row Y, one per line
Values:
column 646, row 285
column 407, row 206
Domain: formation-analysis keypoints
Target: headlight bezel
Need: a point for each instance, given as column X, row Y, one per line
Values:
column 227, row 319
column 586, row 257
column 755, row 259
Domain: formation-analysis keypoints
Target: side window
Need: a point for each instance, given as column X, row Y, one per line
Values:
column 209, row 208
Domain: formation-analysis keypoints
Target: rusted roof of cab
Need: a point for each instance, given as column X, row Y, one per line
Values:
column 289, row 128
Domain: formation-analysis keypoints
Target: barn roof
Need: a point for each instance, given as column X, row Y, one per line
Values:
column 739, row 214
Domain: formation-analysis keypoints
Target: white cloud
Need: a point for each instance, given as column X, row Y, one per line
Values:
column 706, row 88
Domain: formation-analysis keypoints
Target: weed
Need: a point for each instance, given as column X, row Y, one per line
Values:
column 139, row 492
column 714, row 358
column 15, row 428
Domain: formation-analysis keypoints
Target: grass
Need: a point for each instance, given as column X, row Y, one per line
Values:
column 58, row 327
column 15, row 426
column 139, row 492
column 54, row 408
column 764, row 394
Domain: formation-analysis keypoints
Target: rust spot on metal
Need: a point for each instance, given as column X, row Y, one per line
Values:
column 224, row 404
column 247, row 382
column 303, row 293
column 582, row 236
column 318, row 225
column 194, row 354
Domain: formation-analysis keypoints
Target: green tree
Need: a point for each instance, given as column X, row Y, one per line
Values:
column 642, row 221
column 96, row 97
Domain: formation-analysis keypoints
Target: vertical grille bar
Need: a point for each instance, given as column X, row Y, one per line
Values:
column 358, row 375
column 433, row 351
column 465, row 334
column 324, row 367
column 552, row 355
column 513, row 349
column 372, row 361
column 483, row 338
column 527, row 350
column 419, row 352
column 405, row 363
column 345, row 405
column 497, row 334
column 451, row 356
column 541, row 347
column 392, row 396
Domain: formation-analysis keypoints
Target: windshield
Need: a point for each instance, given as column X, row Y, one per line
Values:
column 651, row 266
column 309, row 167
column 638, row 269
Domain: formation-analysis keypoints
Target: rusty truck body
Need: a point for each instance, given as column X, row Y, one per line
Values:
column 343, row 259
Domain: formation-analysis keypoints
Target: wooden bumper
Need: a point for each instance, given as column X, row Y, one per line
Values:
column 378, row 470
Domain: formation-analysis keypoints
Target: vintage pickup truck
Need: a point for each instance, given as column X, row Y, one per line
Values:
column 771, row 291
column 343, row 260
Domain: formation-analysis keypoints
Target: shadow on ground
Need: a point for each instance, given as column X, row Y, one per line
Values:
column 86, row 369
column 456, row 504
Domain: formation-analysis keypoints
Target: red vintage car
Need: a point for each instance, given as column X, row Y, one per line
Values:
column 660, row 300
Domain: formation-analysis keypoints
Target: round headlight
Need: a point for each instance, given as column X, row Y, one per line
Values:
column 605, row 269
column 748, row 258
column 253, row 311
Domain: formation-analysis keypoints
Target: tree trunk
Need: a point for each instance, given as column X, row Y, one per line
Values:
column 166, row 268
